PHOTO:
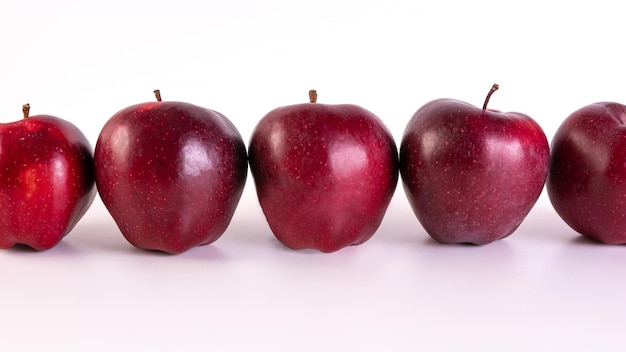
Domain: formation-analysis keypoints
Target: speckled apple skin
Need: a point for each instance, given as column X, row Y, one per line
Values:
column 472, row 175
column 170, row 173
column 324, row 174
column 587, row 180
column 46, row 181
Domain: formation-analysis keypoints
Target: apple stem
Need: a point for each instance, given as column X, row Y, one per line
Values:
column 157, row 94
column 26, row 110
column 493, row 89
column 313, row 96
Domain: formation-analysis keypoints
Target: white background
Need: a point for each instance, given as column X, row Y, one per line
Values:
column 543, row 288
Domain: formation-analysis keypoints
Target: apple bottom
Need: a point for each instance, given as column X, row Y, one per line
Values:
column 597, row 219
column 470, row 219
column 171, row 222
column 326, row 221
column 33, row 235
column 39, row 224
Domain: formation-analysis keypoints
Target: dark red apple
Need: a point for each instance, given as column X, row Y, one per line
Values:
column 324, row 174
column 471, row 174
column 587, row 179
column 46, row 168
column 170, row 173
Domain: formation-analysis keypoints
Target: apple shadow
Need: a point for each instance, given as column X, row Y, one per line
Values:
column 400, row 227
column 22, row 248
column 255, row 234
column 61, row 249
column 430, row 242
column 579, row 260
column 208, row 252
column 543, row 225
column 250, row 235
column 98, row 236
column 580, row 240
column 107, row 238
column 403, row 232
column 248, row 228
column 499, row 255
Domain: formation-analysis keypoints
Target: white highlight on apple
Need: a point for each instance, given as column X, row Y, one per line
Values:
column 347, row 159
column 505, row 148
column 195, row 158
column 430, row 141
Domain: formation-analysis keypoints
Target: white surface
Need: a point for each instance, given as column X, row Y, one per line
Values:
column 544, row 288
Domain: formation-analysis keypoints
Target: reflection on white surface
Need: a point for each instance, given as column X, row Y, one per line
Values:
column 543, row 282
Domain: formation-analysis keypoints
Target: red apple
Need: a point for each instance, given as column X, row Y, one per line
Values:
column 46, row 168
column 587, row 179
column 471, row 174
column 324, row 174
column 170, row 173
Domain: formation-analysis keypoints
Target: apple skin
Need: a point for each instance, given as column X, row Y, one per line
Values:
column 170, row 174
column 588, row 169
column 324, row 174
column 472, row 175
column 46, row 168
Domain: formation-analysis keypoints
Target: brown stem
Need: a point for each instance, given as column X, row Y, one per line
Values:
column 313, row 96
column 157, row 94
column 26, row 110
column 493, row 89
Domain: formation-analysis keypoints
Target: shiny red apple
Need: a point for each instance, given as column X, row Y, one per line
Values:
column 170, row 173
column 47, row 180
column 587, row 179
column 324, row 174
column 471, row 174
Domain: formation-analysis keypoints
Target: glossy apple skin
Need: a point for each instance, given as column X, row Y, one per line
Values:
column 586, row 183
column 170, row 173
column 324, row 174
column 46, row 168
column 472, row 175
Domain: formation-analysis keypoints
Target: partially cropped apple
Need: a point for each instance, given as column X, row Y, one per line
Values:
column 472, row 174
column 324, row 174
column 46, row 168
column 587, row 179
column 170, row 173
